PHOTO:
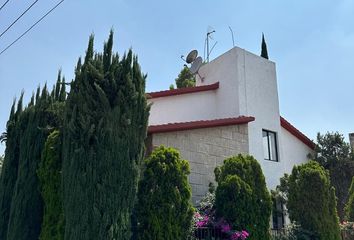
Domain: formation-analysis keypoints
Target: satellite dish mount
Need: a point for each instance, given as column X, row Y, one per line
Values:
column 195, row 61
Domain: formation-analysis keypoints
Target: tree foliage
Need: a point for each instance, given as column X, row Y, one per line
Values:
column 10, row 166
column 335, row 155
column 103, row 144
column 242, row 196
column 312, row 202
column 331, row 149
column 164, row 210
column 27, row 130
column 264, row 52
column 49, row 174
column 349, row 208
column 185, row 79
column 1, row 162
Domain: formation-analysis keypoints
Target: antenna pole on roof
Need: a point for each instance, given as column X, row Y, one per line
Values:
column 232, row 35
column 207, row 43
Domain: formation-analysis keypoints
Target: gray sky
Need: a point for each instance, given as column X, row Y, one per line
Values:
column 312, row 43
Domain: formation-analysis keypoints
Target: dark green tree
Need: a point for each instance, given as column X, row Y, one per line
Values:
column 264, row 52
column 1, row 162
column 164, row 209
column 105, row 124
column 49, row 174
column 10, row 165
column 233, row 199
column 250, row 191
column 34, row 123
column 312, row 202
column 185, row 79
column 349, row 208
column 335, row 155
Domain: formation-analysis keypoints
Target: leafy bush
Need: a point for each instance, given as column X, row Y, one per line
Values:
column 242, row 192
column 311, row 201
column 49, row 175
column 349, row 208
column 164, row 210
column 207, row 225
column 105, row 126
column 335, row 155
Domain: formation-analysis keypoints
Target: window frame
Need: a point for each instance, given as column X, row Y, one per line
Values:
column 269, row 147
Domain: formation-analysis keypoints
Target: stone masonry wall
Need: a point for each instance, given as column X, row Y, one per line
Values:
column 205, row 149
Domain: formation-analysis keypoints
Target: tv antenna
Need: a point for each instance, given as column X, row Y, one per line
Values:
column 195, row 61
column 232, row 35
column 209, row 35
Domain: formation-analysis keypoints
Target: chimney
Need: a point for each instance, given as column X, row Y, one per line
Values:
column 351, row 139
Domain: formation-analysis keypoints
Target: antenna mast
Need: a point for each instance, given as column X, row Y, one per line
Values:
column 207, row 43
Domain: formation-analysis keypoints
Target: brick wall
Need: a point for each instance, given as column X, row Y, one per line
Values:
column 205, row 149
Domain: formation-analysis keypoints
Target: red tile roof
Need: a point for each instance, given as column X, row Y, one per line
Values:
column 180, row 91
column 294, row 131
column 172, row 127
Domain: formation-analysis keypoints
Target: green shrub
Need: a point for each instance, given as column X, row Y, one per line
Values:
column 104, row 130
column 164, row 210
column 250, row 205
column 49, row 175
column 349, row 208
column 311, row 201
column 233, row 198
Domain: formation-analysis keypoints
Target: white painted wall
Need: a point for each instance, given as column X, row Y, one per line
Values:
column 293, row 150
column 248, row 86
column 183, row 108
column 256, row 95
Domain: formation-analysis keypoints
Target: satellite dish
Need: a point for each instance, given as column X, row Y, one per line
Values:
column 191, row 56
column 197, row 63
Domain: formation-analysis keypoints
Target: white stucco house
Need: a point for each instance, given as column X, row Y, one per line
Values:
column 233, row 108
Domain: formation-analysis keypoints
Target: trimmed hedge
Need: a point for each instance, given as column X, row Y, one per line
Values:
column 164, row 209
column 312, row 201
column 242, row 197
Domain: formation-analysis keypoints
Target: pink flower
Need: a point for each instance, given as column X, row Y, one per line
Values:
column 244, row 234
column 200, row 223
column 225, row 228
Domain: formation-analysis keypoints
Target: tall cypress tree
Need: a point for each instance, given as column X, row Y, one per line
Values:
column 33, row 125
column 49, row 174
column 103, row 144
column 9, row 172
column 49, row 171
column 312, row 201
column 264, row 52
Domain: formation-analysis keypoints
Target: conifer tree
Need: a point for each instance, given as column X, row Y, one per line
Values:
column 35, row 123
column 164, row 210
column 49, row 174
column 264, row 52
column 349, row 208
column 103, row 144
column 10, row 166
column 185, row 79
column 243, row 194
column 312, row 201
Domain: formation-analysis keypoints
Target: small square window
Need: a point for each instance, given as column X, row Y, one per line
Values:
column 270, row 150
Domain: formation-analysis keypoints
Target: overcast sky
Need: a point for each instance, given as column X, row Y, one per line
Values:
column 312, row 43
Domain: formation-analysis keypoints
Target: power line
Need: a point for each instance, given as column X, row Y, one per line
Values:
column 2, row 6
column 18, row 18
column 23, row 34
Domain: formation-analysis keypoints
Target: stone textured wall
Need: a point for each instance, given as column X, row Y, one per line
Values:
column 205, row 149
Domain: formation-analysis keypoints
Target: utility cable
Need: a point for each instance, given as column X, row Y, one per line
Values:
column 18, row 18
column 29, row 29
column 2, row 6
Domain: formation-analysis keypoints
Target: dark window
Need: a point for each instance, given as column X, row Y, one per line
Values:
column 278, row 215
column 270, row 149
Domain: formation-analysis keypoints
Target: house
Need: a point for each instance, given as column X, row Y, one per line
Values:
column 233, row 108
